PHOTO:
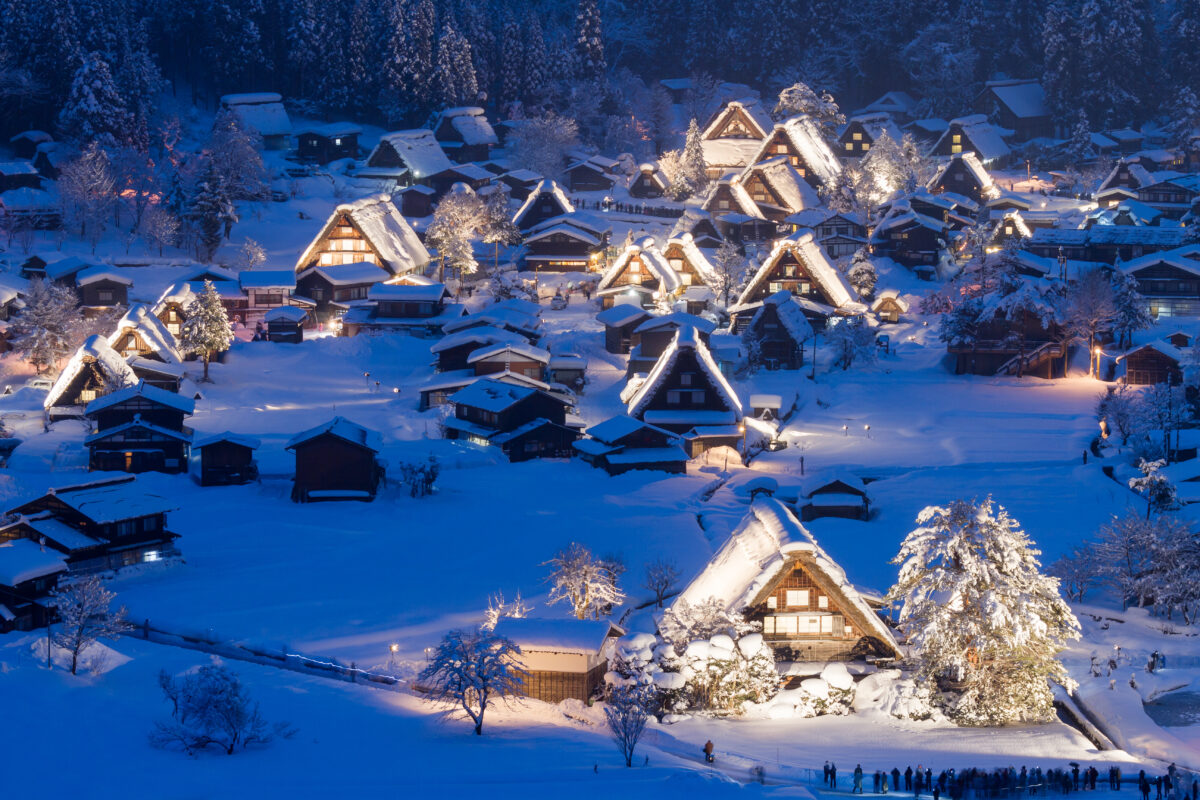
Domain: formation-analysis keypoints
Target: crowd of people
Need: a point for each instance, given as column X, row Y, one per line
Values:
column 982, row 784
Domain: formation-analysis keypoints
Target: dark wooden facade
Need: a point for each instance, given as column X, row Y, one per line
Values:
column 226, row 463
column 328, row 466
column 778, row 349
column 1147, row 366
column 648, row 185
column 618, row 328
column 546, row 205
column 328, row 143
column 585, row 176
column 103, row 293
column 779, row 143
column 838, row 498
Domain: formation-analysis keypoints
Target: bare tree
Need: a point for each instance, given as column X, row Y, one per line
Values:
column 210, row 707
column 87, row 189
column 1078, row 572
column 661, row 576
column 43, row 331
column 588, row 584
column 728, row 265
column 1090, row 311
column 458, row 218
column 86, row 617
column 159, row 228
column 627, row 711
column 473, row 668
column 541, row 144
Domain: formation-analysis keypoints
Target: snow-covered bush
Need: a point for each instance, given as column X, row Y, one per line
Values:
column 587, row 583
column 683, row 622
column 721, row 674
column 211, row 707
column 420, row 477
column 888, row 692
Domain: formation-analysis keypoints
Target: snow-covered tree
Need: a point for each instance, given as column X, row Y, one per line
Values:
column 206, row 330
column 590, row 64
column 1157, row 488
column 1132, row 311
column 541, row 144
column 86, row 616
column 1163, row 409
column 684, row 622
column 1079, row 146
column 801, row 99
column 626, row 710
column 1090, row 311
column 728, row 266
column 1078, row 572
column 233, row 151
column 586, row 583
column 472, row 669
column 210, row 707
column 1024, row 305
column 456, row 80
column 159, row 227
column 959, row 326
column 456, row 221
column 862, row 273
column 724, row 672
column 420, row 476
column 851, row 341
column 977, row 610
column 43, row 331
column 691, row 173
column 1117, row 409
column 211, row 212
column 661, row 577
column 498, row 608
column 88, row 190
column 1126, row 551
column 251, row 255
column 498, row 228
column 95, row 110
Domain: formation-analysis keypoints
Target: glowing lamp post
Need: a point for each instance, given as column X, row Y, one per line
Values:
column 1096, row 359
column 867, row 428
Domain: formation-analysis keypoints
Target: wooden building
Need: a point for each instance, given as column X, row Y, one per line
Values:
column 98, row 525
column 1109, row 244
column 974, row 134
column 520, row 358
column 139, row 333
column 93, row 371
column 264, row 114
column 29, row 573
column 889, row 306
column 572, row 243
column 733, row 137
column 587, row 176
column 640, row 274
column 336, row 461
column 915, row 240
column 545, row 202
column 801, row 142
column 334, row 289
column 699, row 225
column 619, row 322
column 863, row 130
column 321, row 144
column 1017, row 105
column 285, row 324
column 686, row 393
column 226, row 459
column 419, row 309
column 416, row 201
column 522, row 421
column 844, row 497
column 139, row 429
column 778, row 332
column 1023, row 345
column 799, row 266
column 267, row 289
column 25, row 144
column 457, row 176
column 772, row 570
column 371, row 229
column 621, row 444
column 650, row 184
column 512, row 320
column 964, row 175
column 464, row 133
column 1153, row 362
column 453, row 350
column 654, row 336
column 563, row 659
column 777, row 189
column 403, row 158
column 18, row 175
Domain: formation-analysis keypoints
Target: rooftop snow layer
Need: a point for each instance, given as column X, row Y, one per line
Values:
column 343, row 429
column 22, row 560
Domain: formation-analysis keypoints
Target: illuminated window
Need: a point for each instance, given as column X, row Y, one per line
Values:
column 858, row 137
column 772, row 602
column 866, row 146
column 849, row 145
column 956, row 148
column 956, row 138
column 822, row 601
column 797, row 597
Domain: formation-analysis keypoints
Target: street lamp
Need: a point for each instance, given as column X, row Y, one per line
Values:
column 1096, row 357
column 742, row 431
column 845, row 430
column 867, row 428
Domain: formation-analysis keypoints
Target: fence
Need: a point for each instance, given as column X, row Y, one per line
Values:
column 282, row 658
column 640, row 209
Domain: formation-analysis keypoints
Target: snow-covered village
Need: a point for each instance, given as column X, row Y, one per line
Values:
column 672, row 399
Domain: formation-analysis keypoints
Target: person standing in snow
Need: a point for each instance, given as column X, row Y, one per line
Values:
column 928, row 778
column 875, row 782
column 895, row 779
column 917, row 782
column 832, row 775
column 858, row 775
column 826, row 773
column 708, row 751
column 908, row 779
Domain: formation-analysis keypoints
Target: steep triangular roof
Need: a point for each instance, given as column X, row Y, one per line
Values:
column 385, row 230
column 545, row 187
column 793, row 191
column 790, row 314
column 651, row 258
column 806, row 140
column 141, row 320
column 686, row 339
column 826, row 276
column 95, row 349
column 750, row 110
column 970, row 161
column 694, row 257
column 341, row 428
column 761, row 550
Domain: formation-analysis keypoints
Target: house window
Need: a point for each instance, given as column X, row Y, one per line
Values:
column 150, row 524
column 850, row 146
column 866, row 146
column 785, row 625
column 87, row 395
column 151, row 555
column 104, row 295
column 822, row 601
column 531, row 447
column 125, row 527
column 858, row 137
column 635, row 267
column 685, row 379
column 269, row 299
column 956, row 138
column 805, row 287
column 318, row 294
column 775, row 286
column 772, row 602
column 797, row 597
column 956, row 148
column 337, row 142
column 698, row 398
column 723, row 205
column 674, row 397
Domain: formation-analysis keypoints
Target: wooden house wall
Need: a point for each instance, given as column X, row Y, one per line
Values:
column 912, row 246
column 780, row 144
column 343, row 244
column 416, row 204
column 636, row 273
column 150, row 411
column 586, row 178
column 322, row 149
column 1148, row 366
column 224, row 463
column 619, row 339
column 777, row 348
column 889, row 310
column 545, row 207
column 560, row 244
column 735, row 125
column 654, row 342
column 686, row 388
column 103, row 293
column 959, row 180
column 554, row 687
column 285, row 331
column 645, row 186
column 545, row 441
column 328, row 463
column 855, row 141
column 789, row 273
column 137, row 450
column 769, row 202
column 721, row 201
column 514, row 364
column 86, row 387
column 172, row 315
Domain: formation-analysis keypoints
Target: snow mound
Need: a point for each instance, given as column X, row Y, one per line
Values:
column 837, row 676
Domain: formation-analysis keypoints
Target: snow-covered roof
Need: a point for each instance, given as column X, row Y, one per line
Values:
column 558, row 635
column 343, row 429
column 227, row 436
column 767, row 541
column 415, row 293
column 495, row 317
column 893, row 103
column 17, row 168
column 112, row 500
column 478, row 336
column 102, row 272
column 470, row 122
column 285, row 313
column 262, row 111
column 508, row 349
column 151, row 331
column 561, row 225
column 144, row 390
column 137, row 423
column 620, row 426
column 686, row 338
column 648, row 257
column 29, row 199
column 985, row 137
column 420, row 150
column 544, row 187
column 55, row 530
column 34, row 136
column 972, row 164
column 793, row 191
column 621, row 314
column 493, row 395
column 677, row 319
column 730, row 153
column 832, row 283
column 65, row 267
column 331, row 130
column 267, row 279
column 805, row 138
column 181, row 293
column 752, row 109
column 1186, row 258
column 385, row 229
column 1024, row 98
column 97, row 350
column 22, row 560
column 1164, row 347
column 790, row 314
column 348, row 274
column 892, row 296
column 741, row 198
column 876, row 124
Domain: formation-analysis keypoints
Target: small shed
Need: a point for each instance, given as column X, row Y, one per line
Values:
column 844, row 497
column 889, row 306
column 619, row 323
column 564, row 658
column 337, row 461
column 622, row 443
column 286, row 324
column 262, row 112
column 416, row 200
column 321, row 144
column 765, row 406
column 649, row 184
column 1154, row 362
column 227, row 459
column 28, row 573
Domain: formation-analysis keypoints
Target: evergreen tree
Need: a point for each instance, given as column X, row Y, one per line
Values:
column 1184, row 38
column 304, row 34
column 95, row 110
column 206, row 331
column 362, row 56
column 589, row 43
column 537, row 73
column 231, row 50
column 210, row 210
column 977, row 610
column 455, row 71
column 1132, row 309
column 417, row 66
column 139, row 82
column 1061, row 73
column 512, row 85
column 862, row 274
column 1079, row 146
column 394, row 95
column 694, row 174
